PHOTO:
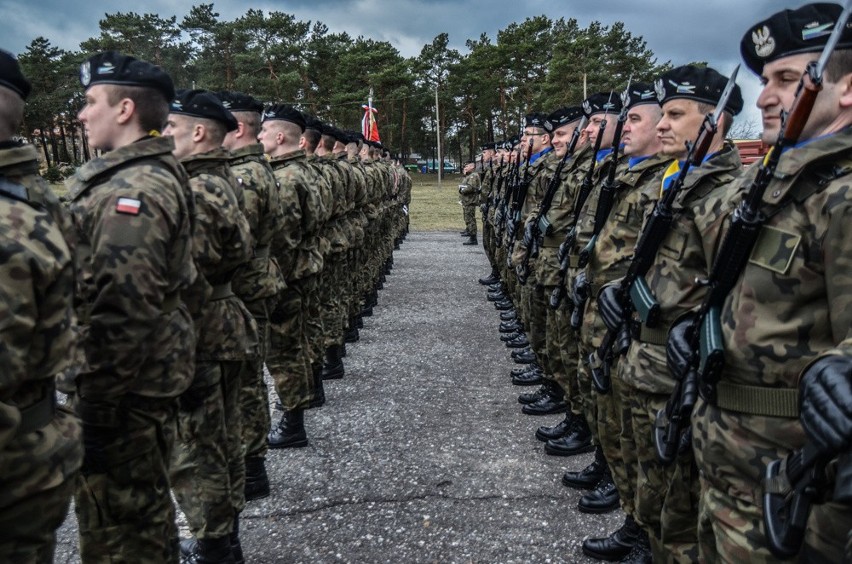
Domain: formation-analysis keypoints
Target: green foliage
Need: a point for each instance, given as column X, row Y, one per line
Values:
column 538, row 64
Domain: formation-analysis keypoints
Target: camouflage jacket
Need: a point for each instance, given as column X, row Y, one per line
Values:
column 222, row 244
column 356, row 216
column 536, row 175
column 302, row 199
column 469, row 189
column 684, row 256
column 260, row 278
column 36, row 293
column 133, row 219
column 337, row 178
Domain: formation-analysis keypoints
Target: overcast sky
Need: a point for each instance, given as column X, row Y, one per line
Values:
column 679, row 31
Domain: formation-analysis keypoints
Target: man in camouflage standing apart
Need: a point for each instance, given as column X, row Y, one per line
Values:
column 208, row 469
column 299, row 256
column 787, row 323
column 40, row 447
column 261, row 281
column 132, row 214
column 469, row 191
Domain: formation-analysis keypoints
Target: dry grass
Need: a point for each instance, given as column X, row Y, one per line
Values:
column 432, row 208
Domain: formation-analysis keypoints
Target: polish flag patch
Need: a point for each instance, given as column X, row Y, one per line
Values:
column 128, row 205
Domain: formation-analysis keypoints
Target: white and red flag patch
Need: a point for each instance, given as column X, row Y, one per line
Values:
column 128, row 205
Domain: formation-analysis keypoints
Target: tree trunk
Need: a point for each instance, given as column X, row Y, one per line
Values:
column 44, row 146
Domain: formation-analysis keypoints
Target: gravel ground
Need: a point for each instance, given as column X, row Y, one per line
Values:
column 421, row 453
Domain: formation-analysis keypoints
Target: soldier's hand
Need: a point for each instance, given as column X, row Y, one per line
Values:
column 826, row 403
column 678, row 349
column 529, row 234
column 610, row 308
column 562, row 252
column 579, row 289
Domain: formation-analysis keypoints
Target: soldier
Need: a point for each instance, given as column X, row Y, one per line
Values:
column 300, row 258
column 132, row 214
column 786, row 322
column 208, row 467
column 486, row 197
column 469, row 191
column 664, row 500
column 633, row 193
column 39, row 441
column 261, row 281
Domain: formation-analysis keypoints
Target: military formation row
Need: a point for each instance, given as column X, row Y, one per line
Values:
column 693, row 318
column 179, row 265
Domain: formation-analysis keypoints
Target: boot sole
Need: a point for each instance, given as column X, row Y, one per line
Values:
column 606, row 557
column 597, row 511
column 582, row 450
column 259, row 495
column 548, row 412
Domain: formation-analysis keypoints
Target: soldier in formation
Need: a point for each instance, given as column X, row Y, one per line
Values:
column 675, row 275
column 469, row 191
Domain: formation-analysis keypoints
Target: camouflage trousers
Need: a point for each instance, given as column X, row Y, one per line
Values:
column 666, row 496
column 488, row 242
column 732, row 451
column 532, row 297
column 208, row 466
column 28, row 528
column 561, row 345
column 124, row 510
column 331, row 292
column 254, row 396
column 287, row 357
column 470, row 219
column 312, row 317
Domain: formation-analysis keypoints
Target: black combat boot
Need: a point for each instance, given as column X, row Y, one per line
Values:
column 464, row 233
column 641, row 551
column 545, row 433
column 532, row 377
column 577, row 440
column 333, row 368
column 289, row 432
column 236, row 547
column 471, row 241
column 510, row 315
column 351, row 334
column 602, row 499
column 257, row 481
column 589, row 476
column 552, row 402
column 490, row 279
column 359, row 322
column 207, row 551
column 617, row 545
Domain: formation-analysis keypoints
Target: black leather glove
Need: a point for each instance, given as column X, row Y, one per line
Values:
column 580, row 289
column 678, row 350
column 529, row 234
column 610, row 308
column 562, row 253
column 826, row 403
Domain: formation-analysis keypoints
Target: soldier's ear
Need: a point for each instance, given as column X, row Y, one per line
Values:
column 126, row 109
column 845, row 91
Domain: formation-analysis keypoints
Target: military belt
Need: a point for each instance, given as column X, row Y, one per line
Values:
column 757, row 400
column 39, row 414
column 221, row 291
column 261, row 252
column 651, row 335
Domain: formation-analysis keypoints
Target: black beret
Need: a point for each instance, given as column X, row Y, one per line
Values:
column 112, row 67
column 311, row 122
column 602, row 102
column 535, row 119
column 702, row 84
column 239, row 102
column 283, row 112
column 488, row 146
column 202, row 104
column 562, row 116
column 353, row 136
column 790, row 32
column 11, row 76
column 640, row 93
column 339, row 135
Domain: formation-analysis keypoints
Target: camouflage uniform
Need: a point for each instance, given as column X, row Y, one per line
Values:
column 637, row 190
column 300, row 258
column 258, row 284
column 39, row 442
column 469, row 191
column 666, row 498
column 790, row 305
column 208, row 469
column 132, row 213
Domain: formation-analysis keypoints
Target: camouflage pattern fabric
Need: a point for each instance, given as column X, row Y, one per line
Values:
column 132, row 213
column 790, row 305
column 469, row 191
column 37, row 464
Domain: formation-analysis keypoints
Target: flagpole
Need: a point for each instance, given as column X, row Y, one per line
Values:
column 440, row 163
column 370, row 114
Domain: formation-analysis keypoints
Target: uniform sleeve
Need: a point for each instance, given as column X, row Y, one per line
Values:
column 838, row 277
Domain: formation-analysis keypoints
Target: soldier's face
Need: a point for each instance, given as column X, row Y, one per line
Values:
column 780, row 80
column 562, row 138
column 679, row 124
column 640, row 131
column 101, row 120
column 539, row 138
column 593, row 129
column 181, row 129
column 268, row 137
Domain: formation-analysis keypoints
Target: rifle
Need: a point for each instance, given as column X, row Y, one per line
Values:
column 607, row 195
column 521, row 189
column 633, row 289
column 487, row 204
column 500, row 201
column 540, row 226
column 703, row 367
column 559, row 292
